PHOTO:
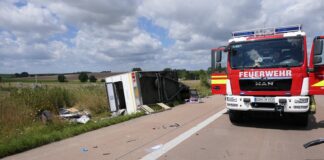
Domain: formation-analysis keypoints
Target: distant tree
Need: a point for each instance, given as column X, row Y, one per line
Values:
column 24, row 74
column 182, row 73
column 83, row 77
column 61, row 78
column 167, row 69
column 209, row 70
column 137, row 69
column 0, row 79
column 204, row 81
column 102, row 80
column 92, row 78
column 17, row 75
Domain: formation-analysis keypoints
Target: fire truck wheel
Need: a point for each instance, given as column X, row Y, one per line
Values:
column 302, row 119
column 235, row 116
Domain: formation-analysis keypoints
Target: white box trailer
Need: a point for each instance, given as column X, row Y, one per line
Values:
column 133, row 90
column 123, row 92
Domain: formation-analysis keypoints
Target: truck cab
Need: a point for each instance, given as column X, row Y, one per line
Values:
column 267, row 70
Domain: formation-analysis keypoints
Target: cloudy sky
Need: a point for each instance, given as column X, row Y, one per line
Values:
column 42, row 36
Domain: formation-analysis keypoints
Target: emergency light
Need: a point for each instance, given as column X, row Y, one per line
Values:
column 267, row 31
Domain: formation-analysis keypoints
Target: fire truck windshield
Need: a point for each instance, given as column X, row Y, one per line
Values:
column 274, row 53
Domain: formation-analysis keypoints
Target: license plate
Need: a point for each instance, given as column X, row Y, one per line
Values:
column 264, row 99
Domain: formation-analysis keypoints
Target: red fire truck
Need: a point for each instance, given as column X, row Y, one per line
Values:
column 268, row 70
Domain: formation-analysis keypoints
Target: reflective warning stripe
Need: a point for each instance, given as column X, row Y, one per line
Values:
column 219, row 76
column 319, row 84
column 218, row 81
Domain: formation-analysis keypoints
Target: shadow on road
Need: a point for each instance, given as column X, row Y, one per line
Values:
column 277, row 122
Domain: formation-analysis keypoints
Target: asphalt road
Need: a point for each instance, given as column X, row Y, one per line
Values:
column 259, row 138
column 177, row 135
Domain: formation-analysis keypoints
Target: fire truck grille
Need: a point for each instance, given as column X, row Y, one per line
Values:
column 265, row 84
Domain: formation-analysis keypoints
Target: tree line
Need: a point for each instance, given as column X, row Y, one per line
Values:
column 83, row 77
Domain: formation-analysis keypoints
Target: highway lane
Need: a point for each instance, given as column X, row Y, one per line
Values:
column 258, row 138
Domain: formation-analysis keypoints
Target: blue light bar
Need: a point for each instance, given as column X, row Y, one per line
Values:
column 242, row 34
column 288, row 29
column 267, row 31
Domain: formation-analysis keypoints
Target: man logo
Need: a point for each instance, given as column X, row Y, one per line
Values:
column 264, row 84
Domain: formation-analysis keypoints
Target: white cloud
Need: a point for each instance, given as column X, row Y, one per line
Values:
column 29, row 20
column 65, row 35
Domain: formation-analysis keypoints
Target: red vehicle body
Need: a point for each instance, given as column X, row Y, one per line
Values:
column 268, row 70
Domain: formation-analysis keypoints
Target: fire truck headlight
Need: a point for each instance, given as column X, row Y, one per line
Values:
column 301, row 100
column 231, row 99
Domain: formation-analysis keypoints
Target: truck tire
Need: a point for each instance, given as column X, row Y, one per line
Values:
column 235, row 116
column 302, row 119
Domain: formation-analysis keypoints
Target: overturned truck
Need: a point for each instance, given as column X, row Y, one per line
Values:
column 133, row 90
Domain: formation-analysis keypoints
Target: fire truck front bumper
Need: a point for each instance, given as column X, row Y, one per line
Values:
column 294, row 104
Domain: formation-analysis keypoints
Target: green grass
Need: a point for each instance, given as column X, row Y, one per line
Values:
column 21, row 105
column 155, row 107
column 39, row 134
column 203, row 90
column 26, row 80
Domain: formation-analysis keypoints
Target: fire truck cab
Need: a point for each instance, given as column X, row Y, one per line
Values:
column 268, row 70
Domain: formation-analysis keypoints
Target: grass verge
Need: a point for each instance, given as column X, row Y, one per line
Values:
column 40, row 134
column 203, row 90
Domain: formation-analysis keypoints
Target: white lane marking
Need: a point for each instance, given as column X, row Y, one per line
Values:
column 174, row 142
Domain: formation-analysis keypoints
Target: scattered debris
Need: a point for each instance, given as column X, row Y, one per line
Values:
column 156, row 147
column 132, row 140
column 46, row 116
column 147, row 109
column 197, row 134
column 83, row 119
column 164, row 106
column 84, row 149
column 118, row 113
column 175, row 125
column 73, row 110
column 95, row 147
column 202, row 148
column 75, row 115
column 106, row 154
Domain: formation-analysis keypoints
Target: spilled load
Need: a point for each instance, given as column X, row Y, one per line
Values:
column 131, row 91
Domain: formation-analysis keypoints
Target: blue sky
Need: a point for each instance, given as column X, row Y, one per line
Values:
column 155, row 31
column 45, row 36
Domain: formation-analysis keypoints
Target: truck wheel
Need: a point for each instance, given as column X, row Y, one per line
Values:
column 302, row 119
column 235, row 116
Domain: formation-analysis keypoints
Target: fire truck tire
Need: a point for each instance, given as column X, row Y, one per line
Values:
column 235, row 116
column 302, row 119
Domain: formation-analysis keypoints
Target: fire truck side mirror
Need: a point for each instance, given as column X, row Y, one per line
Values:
column 318, row 52
column 318, row 46
column 218, row 56
column 317, row 60
column 218, row 65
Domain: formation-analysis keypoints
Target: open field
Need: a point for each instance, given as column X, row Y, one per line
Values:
column 53, row 77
